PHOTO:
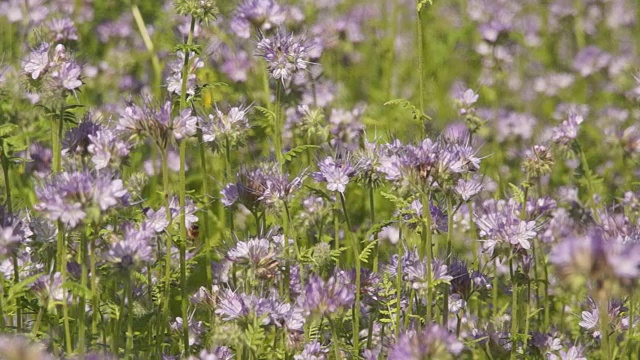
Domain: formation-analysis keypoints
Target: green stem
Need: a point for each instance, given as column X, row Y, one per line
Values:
column 514, row 309
column 94, row 284
column 162, row 320
column 278, row 126
column 356, row 252
column 375, row 236
column 399, row 281
column 421, row 56
column 2, row 321
column 205, row 225
column 603, row 309
column 445, row 310
column 334, row 339
column 182, row 194
column 56, row 135
column 129, row 294
column 83, row 298
column 148, row 43
column 427, row 247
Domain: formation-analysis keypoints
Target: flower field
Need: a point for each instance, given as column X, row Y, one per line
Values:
column 319, row 179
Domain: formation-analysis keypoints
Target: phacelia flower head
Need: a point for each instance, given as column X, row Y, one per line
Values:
column 285, row 55
column 157, row 122
column 262, row 14
column 335, row 172
column 107, row 149
column 433, row 342
column 226, row 128
column 72, row 197
column 13, row 232
column 327, row 297
column 568, row 130
column 500, row 225
column 262, row 185
column 133, row 250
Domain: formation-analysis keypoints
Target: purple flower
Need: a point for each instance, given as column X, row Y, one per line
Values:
column 467, row 189
column 255, row 252
column 590, row 60
column 195, row 329
column 230, row 127
column 346, row 128
column 133, row 250
column 327, row 297
column 13, row 232
column 37, row 61
column 593, row 256
column 335, row 173
column 433, row 342
column 285, row 55
column 77, row 139
column 236, row 65
column 263, row 185
column 262, row 14
column 174, row 80
column 63, row 30
column 184, row 125
column 70, row 197
column 107, row 149
column 312, row 351
column 568, row 130
column 20, row 347
column 499, row 224
column 68, row 75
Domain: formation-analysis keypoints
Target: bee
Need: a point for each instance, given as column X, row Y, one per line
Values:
column 193, row 232
column 268, row 270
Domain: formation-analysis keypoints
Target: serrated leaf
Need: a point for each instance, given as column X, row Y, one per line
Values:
column 266, row 112
column 7, row 129
column 398, row 201
column 18, row 289
column 293, row 153
column 417, row 113
column 517, row 193
column 364, row 254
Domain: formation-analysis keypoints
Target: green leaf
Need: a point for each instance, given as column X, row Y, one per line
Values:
column 20, row 288
column 293, row 153
column 7, row 129
column 398, row 201
column 417, row 113
column 517, row 193
column 364, row 254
